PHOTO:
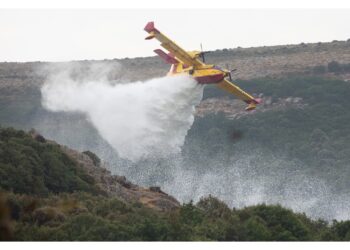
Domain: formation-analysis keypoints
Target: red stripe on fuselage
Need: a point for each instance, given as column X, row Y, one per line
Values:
column 211, row 79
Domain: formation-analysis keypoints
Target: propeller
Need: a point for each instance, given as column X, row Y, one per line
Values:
column 230, row 72
column 202, row 54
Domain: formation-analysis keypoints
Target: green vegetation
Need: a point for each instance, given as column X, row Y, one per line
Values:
column 29, row 166
column 336, row 67
column 317, row 135
column 46, row 196
column 86, row 217
column 332, row 67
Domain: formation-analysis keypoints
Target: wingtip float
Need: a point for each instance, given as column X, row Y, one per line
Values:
column 188, row 62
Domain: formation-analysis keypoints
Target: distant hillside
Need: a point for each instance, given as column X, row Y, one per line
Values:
column 250, row 63
column 20, row 98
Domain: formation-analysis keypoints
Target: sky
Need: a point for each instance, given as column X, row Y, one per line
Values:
column 64, row 34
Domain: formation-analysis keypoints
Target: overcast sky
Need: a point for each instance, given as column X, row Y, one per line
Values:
column 62, row 35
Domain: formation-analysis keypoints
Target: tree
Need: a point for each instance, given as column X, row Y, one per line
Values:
column 334, row 67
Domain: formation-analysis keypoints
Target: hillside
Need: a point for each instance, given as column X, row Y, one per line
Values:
column 293, row 150
column 20, row 82
column 32, row 165
column 20, row 97
column 67, row 199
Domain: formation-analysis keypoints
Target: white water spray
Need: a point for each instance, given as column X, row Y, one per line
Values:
column 141, row 119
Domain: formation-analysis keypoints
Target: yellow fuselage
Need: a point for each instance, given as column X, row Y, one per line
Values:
column 204, row 74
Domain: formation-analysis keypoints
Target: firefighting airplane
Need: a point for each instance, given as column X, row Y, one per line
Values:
column 187, row 62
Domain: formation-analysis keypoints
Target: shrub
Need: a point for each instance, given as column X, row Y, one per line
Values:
column 214, row 208
column 255, row 229
column 95, row 159
column 342, row 230
column 334, row 67
column 47, row 214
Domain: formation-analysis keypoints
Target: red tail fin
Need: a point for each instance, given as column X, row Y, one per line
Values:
column 150, row 27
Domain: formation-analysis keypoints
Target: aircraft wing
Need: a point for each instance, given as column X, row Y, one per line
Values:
column 171, row 46
column 237, row 91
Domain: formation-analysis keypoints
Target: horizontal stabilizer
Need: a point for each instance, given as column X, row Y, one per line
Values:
column 167, row 58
